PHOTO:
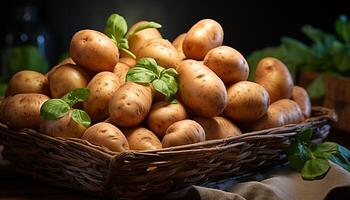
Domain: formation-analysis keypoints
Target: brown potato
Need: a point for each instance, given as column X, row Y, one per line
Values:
column 67, row 78
column 106, row 135
column 183, row 132
column 23, row 110
column 177, row 43
column 201, row 89
column 120, row 71
column 247, row 101
column 228, row 64
column 163, row 114
column 27, row 81
column 128, row 61
column 300, row 96
column 274, row 76
column 217, row 127
column 201, row 38
column 93, row 51
column 101, row 87
column 142, row 139
column 67, row 61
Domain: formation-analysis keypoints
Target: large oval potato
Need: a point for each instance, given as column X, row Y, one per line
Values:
column 201, row 89
column 274, row 76
column 120, row 71
column 183, row 132
column 67, row 78
column 247, row 101
column 94, row 51
column 163, row 114
column 201, row 38
column 130, row 104
column 217, row 127
column 23, row 110
column 27, row 81
column 300, row 96
column 142, row 139
column 102, row 87
column 177, row 43
column 228, row 64
column 106, row 135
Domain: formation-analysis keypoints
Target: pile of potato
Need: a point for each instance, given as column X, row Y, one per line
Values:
column 214, row 98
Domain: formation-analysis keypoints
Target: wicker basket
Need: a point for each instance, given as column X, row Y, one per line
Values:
column 77, row 164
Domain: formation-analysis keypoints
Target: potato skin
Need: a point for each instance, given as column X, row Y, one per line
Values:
column 228, row 64
column 27, row 81
column 247, row 101
column 201, row 89
column 217, row 127
column 201, row 38
column 177, row 43
column 130, row 104
column 67, row 78
column 93, row 51
column 120, row 71
column 101, row 87
column 163, row 114
column 274, row 76
column 142, row 139
column 300, row 96
column 106, row 135
column 128, row 61
column 23, row 110
column 183, row 132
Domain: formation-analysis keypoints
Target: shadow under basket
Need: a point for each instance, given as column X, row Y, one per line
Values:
column 77, row 164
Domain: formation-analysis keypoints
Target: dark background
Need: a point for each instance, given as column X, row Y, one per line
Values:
column 248, row 25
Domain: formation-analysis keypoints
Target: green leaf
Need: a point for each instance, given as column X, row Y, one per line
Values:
column 122, row 43
column 316, row 88
column 315, row 168
column 81, row 117
column 116, row 26
column 140, row 75
column 297, row 154
column 170, row 72
column 3, row 87
column 149, row 64
column 53, row 109
column 305, row 136
column 341, row 158
column 313, row 33
column 171, row 82
column 75, row 96
column 326, row 149
column 143, row 26
column 341, row 28
column 162, row 87
column 131, row 54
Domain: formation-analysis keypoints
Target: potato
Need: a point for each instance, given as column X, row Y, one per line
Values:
column 27, row 81
column 201, row 38
column 120, row 71
column 106, row 135
column 68, row 60
column 93, row 51
column 201, row 89
column 177, row 43
column 62, row 127
column 142, row 139
column 101, row 87
column 162, row 51
column 163, row 114
column 23, row 110
column 128, row 61
column 183, row 132
column 274, row 76
column 300, row 96
column 217, row 127
column 67, row 78
column 247, row 101
column 228, row 64
column 130, row 105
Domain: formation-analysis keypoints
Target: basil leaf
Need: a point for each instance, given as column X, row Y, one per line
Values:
column 122, row 43
column 143, row 26
column 315, row 168
column 162, row 87
column 140, row 75
column 313, row 33
column 341, row 28
column 75, row 96
column 305, row 136
column 341, row 158
column 316, row 88
column 170, row 72
column 54, row 109
column 116, row 26
column 149, row 64
column 81, row 117
column 171, row 82
column 326, row 149
column 297, row 154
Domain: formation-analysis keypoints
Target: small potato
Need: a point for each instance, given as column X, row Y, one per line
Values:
column 27, row 81
column 23, row 110
column 163, row 114
column 300, row 96
column 120, row 71
column 247, row 101
column 67, row 78
column 162, row 51
column 228, row 64
column 101, row 87
column 130, row 104
column 106, row 135
column 128, row 61
column 201, row 38
column 274, row 76
column 183, row 132
column 217, row 127
column 142, row 139
column 62, row 127
column 177, row 43
column 201, row 89
column 93, row 51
